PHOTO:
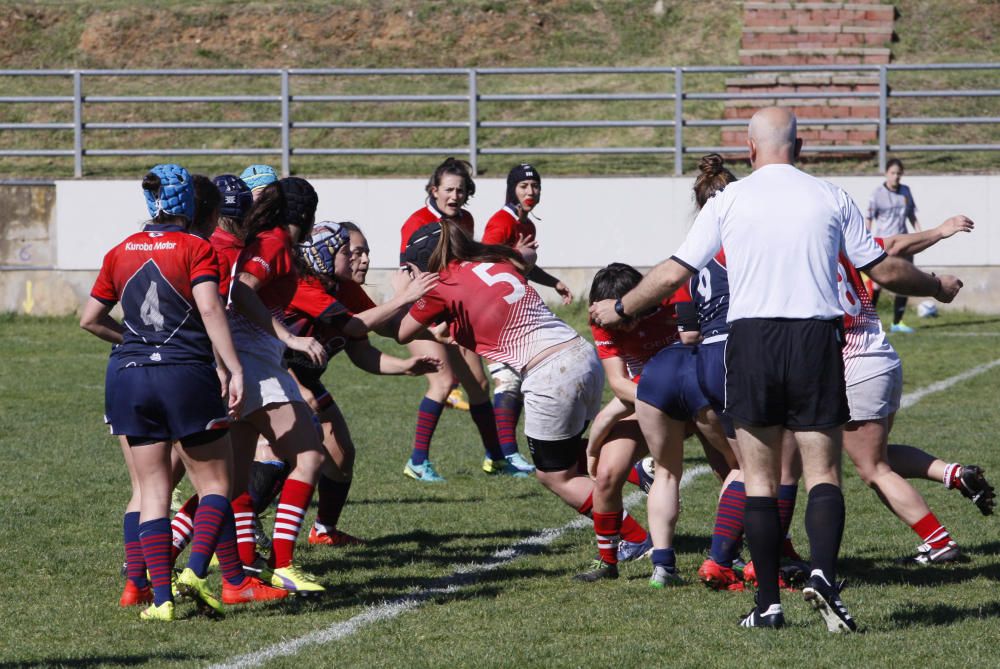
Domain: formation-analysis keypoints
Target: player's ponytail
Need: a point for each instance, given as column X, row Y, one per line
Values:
column 267, row 212
column 713, row 176
column 456, row 244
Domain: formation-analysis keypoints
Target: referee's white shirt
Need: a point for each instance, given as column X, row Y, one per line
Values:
column 782, row 230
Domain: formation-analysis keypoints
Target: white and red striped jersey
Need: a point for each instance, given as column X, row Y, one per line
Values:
column 491, row 309
column 867, row 351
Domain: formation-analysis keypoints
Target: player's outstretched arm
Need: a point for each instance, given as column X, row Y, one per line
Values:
column 96, row 319
column 900, row 276
column 370, row 359
column 915, row 242
column 661, row 281
column 407, row 289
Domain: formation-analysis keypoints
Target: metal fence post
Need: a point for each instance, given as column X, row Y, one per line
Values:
column 473, row 122
column 77, row 124
column 883, row 112
column 678, row 121
column 286, row 148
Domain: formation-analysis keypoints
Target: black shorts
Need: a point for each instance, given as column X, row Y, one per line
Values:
column 786, row 372
column 561, row 455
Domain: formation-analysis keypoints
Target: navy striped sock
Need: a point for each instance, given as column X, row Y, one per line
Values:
column 156, row 543
column 428, row 416
column 728, row 530
column 482, row 416
column 208, row 521
column 507, row 410
column 135, row 564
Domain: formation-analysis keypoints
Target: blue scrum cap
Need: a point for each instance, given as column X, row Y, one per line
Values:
column 319, row 250
column 258, row 176
column 176, row 194
column 236, row 196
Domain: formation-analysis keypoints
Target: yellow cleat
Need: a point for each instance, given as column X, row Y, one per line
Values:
column 164, row 611
column 296, row 581
column 456, row 400
column 190, row 585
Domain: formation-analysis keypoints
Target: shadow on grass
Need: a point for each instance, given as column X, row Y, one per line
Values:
column 102, row 660
column 880, row 572
column 920, row 615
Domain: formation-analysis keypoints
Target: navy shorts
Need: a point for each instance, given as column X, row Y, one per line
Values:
column 712, row 377
column 164, row 402
column 669, row 382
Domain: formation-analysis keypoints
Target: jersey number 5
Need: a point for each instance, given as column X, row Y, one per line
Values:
column 482, row 271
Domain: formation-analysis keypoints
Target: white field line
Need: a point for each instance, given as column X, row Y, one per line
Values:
column 910, row 399
column 462, row 576
column 966, row 334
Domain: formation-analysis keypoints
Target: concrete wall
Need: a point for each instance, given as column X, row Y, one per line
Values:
column 54, row 236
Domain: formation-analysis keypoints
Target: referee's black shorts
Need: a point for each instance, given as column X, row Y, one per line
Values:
column 786, row 372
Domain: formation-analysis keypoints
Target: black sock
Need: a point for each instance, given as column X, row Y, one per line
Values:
column 825, row 527
column 876, row 293
column 898, row 308
column 763, row 535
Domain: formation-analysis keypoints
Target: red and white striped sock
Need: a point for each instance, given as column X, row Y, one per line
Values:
column 632, row 530
column 288, row 520
column 931, row 531
column 952, row 476
column 607, row 527
column 182, row 527
column 243, row 517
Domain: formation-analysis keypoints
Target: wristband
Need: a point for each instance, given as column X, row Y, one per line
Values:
column 620, row 309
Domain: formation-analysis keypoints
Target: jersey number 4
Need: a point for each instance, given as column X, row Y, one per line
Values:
column 149, row 311
column 482, row 270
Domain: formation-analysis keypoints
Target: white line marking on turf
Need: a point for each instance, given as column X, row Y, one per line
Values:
column 462, row 576
column 966, row 334
column 912, row 398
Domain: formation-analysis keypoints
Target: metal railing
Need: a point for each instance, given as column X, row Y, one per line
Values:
column 475, row 98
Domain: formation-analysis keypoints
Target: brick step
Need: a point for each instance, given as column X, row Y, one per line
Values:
column 816, row 13
column 814, row 36
column 813, row 136
column 815, row 56
column 838, row 108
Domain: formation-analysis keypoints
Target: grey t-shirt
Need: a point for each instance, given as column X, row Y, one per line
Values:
column 889, row 210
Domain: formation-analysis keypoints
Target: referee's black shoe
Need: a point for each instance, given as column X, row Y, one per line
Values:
column 773, row 618
column 825, row 598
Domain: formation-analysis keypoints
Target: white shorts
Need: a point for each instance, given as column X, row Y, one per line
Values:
column 877, row 397
column 562, row 393
column 266, row 381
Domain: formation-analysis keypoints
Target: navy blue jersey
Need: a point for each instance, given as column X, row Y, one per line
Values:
column 152, row 273
column 710, row 292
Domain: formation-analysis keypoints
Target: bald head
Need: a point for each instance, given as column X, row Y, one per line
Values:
column 772, row 136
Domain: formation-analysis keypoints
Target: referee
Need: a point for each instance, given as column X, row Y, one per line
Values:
column 783, row 231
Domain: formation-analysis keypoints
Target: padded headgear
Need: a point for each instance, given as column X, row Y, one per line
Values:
column 300, row 201
column 319, row 250
column 421, row 245
column 236, row 196
column 258, row 176
column 522, row 172
column 176, row 194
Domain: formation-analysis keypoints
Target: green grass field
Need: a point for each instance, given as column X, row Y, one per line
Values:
column 63, row 488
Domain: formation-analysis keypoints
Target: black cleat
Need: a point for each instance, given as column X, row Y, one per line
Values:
column 773, row 618
column 973, row 485
column 600, row 570
column 825, row 598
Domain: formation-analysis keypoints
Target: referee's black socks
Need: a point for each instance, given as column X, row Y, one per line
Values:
column 764, row 535
column 825, row 527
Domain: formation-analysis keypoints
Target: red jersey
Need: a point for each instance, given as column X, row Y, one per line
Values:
column 152, row 274
column 867, row 351
column 429, row 214
column 269, row 259
column 492, row 310
column 228, row 247
column 314, row 312
column 640, row 343
column 504, row 227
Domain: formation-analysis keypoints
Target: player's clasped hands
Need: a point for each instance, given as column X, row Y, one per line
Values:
column 603, row 314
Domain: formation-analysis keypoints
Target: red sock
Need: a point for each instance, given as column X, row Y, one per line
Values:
column 607, row 527
column 182, row 527
column 243, row 515
column 631, row 530
column 633, row 476
column 931, row 531
column 288, row 520
column 587, row 506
